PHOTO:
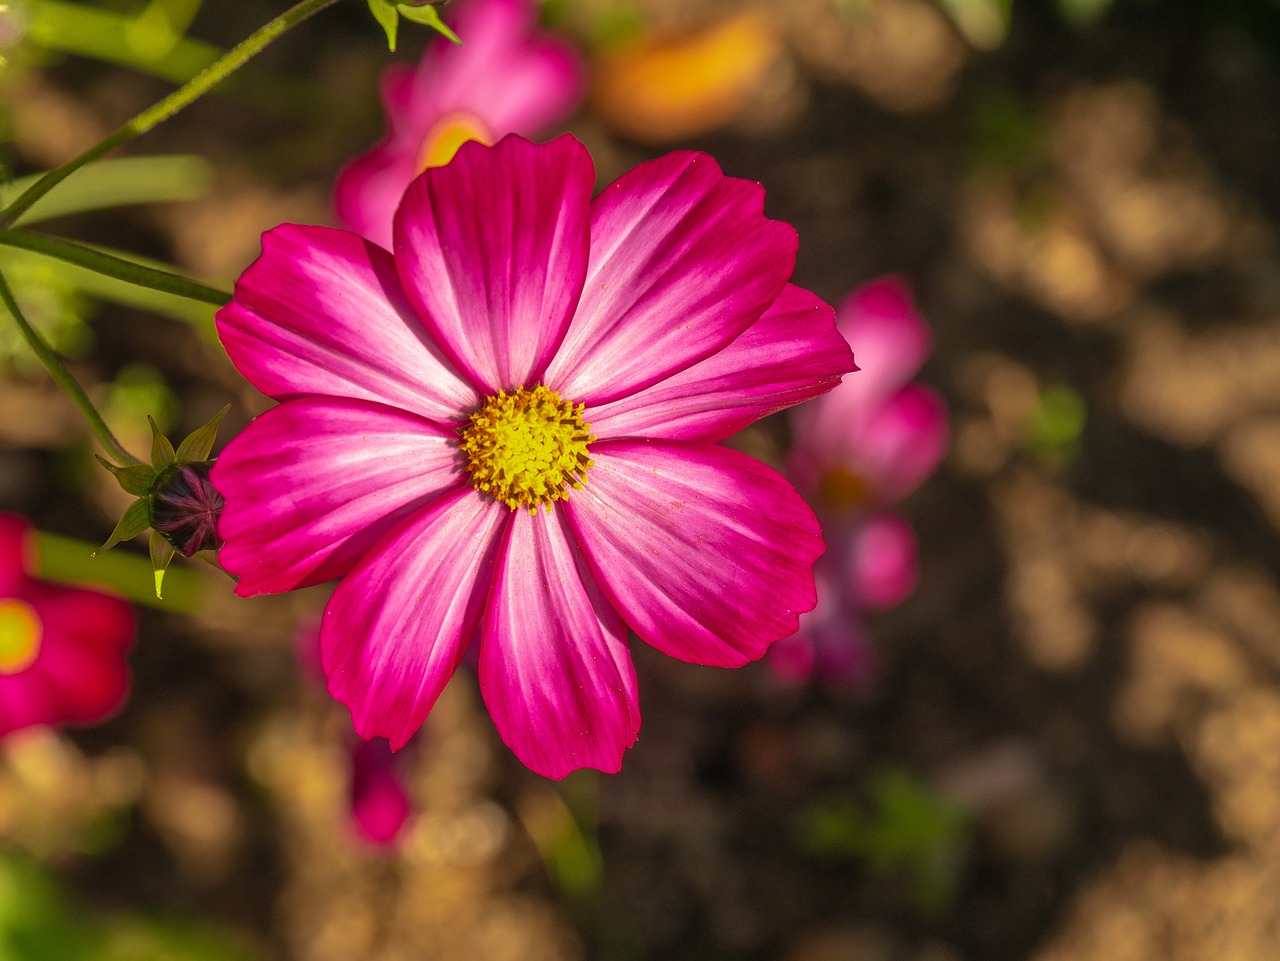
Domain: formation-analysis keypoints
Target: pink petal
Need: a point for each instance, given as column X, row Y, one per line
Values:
column 322, row 312
column 682, row 262
column 789, row 355
column 554, row 667
column 879, row 558
column 515, row 79
column 707, row 553
column 84, row 686
column 368, row 190
column 17, row 553
column 900, row 443
column 81, row 665
column 311, row 485
column 889, row 339
column 397, row 88
column 791, row 658
column 845, row 654
column 90, row 619
column 879, row 319
column 24, row 702
column 509, row 77
column 492, row 248
column 397, row 625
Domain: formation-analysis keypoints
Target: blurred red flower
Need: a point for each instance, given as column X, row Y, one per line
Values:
column 62, row 649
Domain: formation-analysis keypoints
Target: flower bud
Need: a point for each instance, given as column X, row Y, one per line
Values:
column 185, row 507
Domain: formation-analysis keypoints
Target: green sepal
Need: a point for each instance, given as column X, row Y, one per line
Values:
column 199, row 442
column 161, row 554
column 135, row 520
column 135, row 478
column 388, row 16
column 428, row 16
column 162, row 454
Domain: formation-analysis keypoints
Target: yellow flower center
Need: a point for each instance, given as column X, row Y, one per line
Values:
column 841, row 489
column 20, row 633
column 448, row 134
column 527, row 447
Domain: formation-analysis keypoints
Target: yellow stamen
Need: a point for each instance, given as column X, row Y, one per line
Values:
column 448, row 134
column 527, row 447
column 20, row 634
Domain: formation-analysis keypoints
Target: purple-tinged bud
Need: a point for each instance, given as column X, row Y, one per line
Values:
column 185, row 507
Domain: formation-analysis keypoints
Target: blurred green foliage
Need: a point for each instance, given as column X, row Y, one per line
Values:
column 563, row 827
column 57, row 297
column 139, row 391
column 53, row 305
column 116, row 183
column 70, row 561
column 1058, row 420
column 39, row 922
column 986, row 23
column 1006, row 131
column 149, row 38
column 597, row 22
column 902, row 827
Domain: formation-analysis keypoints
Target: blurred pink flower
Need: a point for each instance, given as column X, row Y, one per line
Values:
column 527, row 347
column 506, row 77
column 380, row 805
column 380, row 802
column 873, row 440
column 62, row 649
column 857, row 451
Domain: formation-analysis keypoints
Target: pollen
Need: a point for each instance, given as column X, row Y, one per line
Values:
column 528, row 448
column 20, row 635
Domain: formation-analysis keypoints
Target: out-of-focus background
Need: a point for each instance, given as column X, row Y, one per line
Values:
column 1068, row 746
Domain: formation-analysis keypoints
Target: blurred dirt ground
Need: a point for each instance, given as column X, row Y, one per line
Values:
column 1073, row 750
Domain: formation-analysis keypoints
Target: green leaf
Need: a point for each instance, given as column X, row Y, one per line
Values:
column 199, row 442
column 162, row 454
column 135, row 478
column 135, row 520
column 161, row 554
column 117, row 182
column 89, row 31
column 386, row 15
column 429, row 16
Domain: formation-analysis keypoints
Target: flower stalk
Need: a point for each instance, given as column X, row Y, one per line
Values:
column 112, row 266
column 201, row 84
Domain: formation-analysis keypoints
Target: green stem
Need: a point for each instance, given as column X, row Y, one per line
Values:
column 198, row 87
column 117, row 267
column 58, row 371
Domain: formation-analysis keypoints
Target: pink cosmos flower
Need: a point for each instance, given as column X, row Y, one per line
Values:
column 859, row 450
column 506, row 77
column 508, row 428
column 62, row 649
